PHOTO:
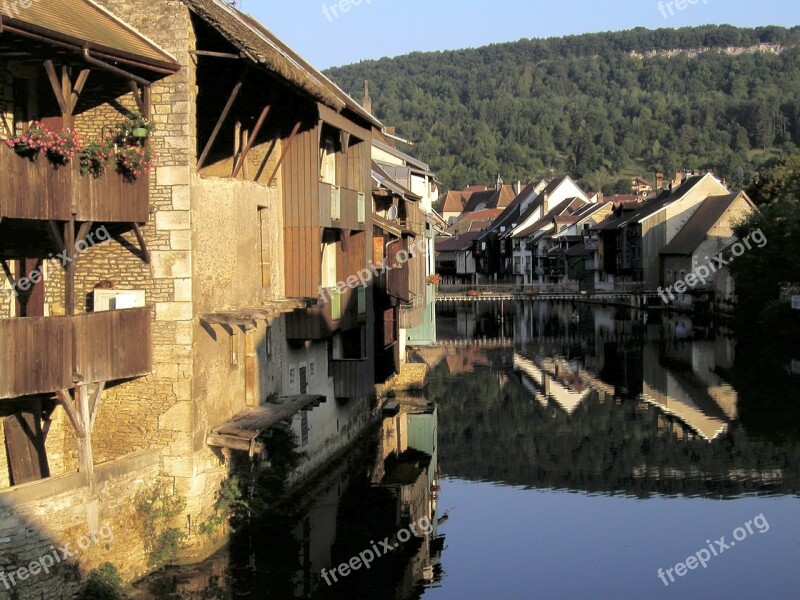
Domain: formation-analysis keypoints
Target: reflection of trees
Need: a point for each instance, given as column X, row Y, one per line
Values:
column 502, row 434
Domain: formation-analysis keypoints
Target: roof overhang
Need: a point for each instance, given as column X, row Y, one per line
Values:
column 242, row 432
column 80, row 25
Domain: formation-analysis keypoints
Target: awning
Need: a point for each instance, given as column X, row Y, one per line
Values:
column 249, row 316
column 242, row 432
column 81, row 23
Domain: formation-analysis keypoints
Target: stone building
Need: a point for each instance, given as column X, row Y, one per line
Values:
column 222, row 267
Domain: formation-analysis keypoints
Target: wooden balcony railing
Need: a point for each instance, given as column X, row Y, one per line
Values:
column 341, row 208
column 36, row 190
column 43, row 355
column 351, row 378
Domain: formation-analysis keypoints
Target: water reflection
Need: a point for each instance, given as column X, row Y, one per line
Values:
column 604, row 399
column 386, row 483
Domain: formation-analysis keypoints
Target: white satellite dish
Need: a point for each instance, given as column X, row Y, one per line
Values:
column 391, row 214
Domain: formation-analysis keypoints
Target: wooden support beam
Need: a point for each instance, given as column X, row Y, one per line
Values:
column 85, row 454
column 147, row 95
column 215, row 54
column 94, row 405
column 137, row 231
column 8, row 273
column 65, row 399
column 69, row 284
column 221, row 121
column 284, row 152
column 137, row 95
column 55, row 235
column 250, row 141
column 54, row 83
column 6, row 126
column 76, row 91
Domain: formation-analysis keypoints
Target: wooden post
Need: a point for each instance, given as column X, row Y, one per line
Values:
column 284, row 152
column 224, row 115
column 250, row 141
column 85, row 454
column 69, row 284
column 250, row 368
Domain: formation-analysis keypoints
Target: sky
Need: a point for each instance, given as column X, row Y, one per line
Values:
column 326, row 36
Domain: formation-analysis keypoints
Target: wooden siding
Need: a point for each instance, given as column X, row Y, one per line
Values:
column 351, row 378
column 302, row 218
column 397, row 279
column 40, row 355
column 35, row 189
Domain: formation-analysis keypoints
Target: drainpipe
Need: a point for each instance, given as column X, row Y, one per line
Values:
column 112, row 69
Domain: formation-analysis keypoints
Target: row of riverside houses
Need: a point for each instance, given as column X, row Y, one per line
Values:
column 554, row 237
column 157, row 322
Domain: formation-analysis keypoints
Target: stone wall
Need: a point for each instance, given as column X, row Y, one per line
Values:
column 28, row 531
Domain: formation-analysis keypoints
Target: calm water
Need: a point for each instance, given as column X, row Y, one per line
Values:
column 561, row 451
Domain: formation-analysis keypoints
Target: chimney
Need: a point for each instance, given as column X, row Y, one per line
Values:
column 659, row 181
column 677, row 180
column 367, row 103
column 545, row 208
column 518, row 187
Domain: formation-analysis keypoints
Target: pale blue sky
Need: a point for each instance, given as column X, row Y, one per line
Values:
column 377, row 28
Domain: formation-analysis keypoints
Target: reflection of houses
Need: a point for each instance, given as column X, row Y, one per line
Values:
column 686, row 395
column 554, row 379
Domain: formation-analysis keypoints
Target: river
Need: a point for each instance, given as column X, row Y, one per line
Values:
column 561, row 451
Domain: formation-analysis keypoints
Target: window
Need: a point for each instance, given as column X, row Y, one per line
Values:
column 311, row 368
column 328, row 164
column 292, row 375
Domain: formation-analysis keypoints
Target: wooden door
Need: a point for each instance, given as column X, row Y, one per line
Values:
column 27, row 457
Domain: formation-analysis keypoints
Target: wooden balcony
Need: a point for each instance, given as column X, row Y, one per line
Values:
column 340, row 312
column 43, row 355
column 351, row 378
column 37, row 190
column 341, row 208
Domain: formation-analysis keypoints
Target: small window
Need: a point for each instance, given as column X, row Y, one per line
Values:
column 311, row 368
column 292, row 375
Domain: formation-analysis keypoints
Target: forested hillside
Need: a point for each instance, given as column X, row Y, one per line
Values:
column 600, row 106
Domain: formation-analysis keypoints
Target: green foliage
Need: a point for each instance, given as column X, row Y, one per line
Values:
column 231, row 500
column 157, row 506
column 104, row 583
column 592, row 104
column 759, row 272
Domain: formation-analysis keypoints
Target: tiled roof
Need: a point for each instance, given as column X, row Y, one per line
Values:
column 456, row 244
